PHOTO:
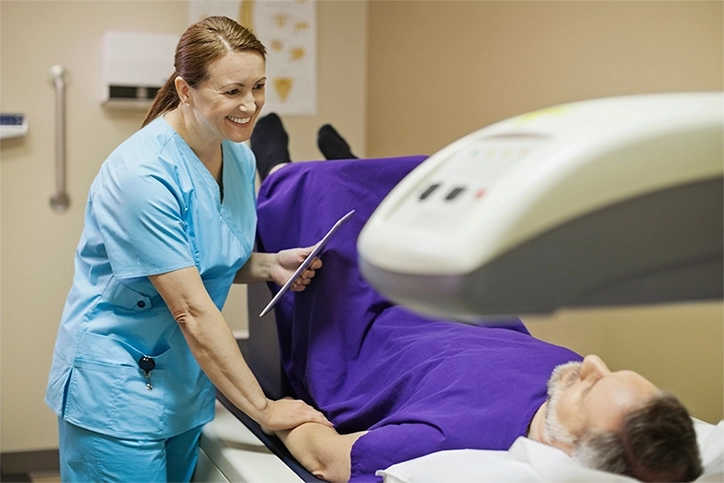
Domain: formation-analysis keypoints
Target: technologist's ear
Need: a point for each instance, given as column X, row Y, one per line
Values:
column 182, row 90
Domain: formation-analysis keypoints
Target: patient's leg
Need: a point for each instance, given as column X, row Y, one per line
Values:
column 332, row 144
column 270, row 144
column 321, row 449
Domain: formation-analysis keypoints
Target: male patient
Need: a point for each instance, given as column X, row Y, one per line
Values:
column 612, row 421
column 398, row 385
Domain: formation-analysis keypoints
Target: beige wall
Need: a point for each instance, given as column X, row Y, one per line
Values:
column 479, row 62
column 37, row 244
column 439, row 70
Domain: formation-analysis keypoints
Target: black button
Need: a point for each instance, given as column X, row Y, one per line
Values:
column 429, row 191
column 454, row 193
column 141, row 304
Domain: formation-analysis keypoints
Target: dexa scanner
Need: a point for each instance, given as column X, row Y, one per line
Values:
column 606, row 202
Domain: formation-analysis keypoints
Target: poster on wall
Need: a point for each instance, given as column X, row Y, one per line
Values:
column 288, row 30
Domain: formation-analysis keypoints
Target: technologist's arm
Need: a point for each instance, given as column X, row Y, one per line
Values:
column 214, row 347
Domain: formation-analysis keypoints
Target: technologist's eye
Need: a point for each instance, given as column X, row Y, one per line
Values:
column 232, row 92
column 259, row 87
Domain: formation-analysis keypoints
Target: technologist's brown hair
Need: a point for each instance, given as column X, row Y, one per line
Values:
column 202, row 44
column 657, row 442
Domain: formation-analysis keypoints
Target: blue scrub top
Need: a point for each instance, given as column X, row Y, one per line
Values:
column 153, row 208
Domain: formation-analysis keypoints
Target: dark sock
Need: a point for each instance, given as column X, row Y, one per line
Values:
column 332, row 145
column 270, row 144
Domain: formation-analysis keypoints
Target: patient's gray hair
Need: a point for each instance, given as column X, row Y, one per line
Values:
column 657, row 442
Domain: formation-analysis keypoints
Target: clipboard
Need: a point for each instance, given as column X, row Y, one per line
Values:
column 305, row 264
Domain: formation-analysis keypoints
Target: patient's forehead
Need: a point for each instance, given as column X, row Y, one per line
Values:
column 614, row 395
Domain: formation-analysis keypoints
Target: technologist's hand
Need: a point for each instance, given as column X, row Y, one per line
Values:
column 289, row 413
column 287, row 261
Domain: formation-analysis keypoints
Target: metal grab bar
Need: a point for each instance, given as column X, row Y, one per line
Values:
column 60, row 200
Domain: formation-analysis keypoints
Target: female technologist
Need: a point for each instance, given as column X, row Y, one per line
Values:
column 169, row 225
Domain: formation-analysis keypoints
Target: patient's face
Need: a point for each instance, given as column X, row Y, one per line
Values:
column 588, row 396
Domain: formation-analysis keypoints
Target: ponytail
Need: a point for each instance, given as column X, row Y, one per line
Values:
column 166, row 99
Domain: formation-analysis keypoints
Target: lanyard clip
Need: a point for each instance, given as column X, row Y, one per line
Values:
column 147, row 364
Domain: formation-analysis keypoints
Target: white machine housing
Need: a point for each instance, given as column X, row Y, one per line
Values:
column 135, row 66
column 614, row 201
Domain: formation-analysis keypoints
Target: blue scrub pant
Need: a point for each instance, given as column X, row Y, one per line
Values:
column 86, row 456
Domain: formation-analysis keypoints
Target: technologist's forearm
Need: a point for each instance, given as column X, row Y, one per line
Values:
column 213, row 345
column 210, row 339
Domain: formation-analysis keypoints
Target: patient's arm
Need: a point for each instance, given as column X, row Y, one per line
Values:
column 321, row 449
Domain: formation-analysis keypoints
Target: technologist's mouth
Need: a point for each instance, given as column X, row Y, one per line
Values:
column 239, row 120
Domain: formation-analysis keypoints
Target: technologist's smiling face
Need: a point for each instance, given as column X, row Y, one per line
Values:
column 228, row 103
column 588, row 396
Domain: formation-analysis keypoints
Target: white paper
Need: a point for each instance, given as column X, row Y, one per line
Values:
column 305, row 264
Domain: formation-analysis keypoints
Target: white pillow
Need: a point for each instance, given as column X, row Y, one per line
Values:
column 528, row 460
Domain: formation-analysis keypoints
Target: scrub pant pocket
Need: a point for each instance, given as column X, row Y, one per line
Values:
column 87, row 456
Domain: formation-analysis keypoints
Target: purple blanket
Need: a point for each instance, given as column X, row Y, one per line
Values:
column 419, row 385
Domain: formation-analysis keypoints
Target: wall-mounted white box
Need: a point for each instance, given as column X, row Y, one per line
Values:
column 135, row 66
column 13, row 126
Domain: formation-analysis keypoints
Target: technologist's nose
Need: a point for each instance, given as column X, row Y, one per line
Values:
column 593, row 367
column 248, row 104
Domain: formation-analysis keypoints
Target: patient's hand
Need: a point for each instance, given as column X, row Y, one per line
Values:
column 288, row 261
column 289, row 413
